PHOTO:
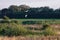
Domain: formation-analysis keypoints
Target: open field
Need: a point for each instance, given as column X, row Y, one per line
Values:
column 50, row 21
column 12, row 28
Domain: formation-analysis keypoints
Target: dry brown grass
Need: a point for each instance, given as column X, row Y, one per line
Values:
column 31, row 38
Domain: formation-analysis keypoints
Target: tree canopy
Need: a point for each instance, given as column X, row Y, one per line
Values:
column 15, row 11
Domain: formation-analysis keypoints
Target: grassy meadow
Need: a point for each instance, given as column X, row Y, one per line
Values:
column 16, row 27
column 50, row 21
column 21, row 29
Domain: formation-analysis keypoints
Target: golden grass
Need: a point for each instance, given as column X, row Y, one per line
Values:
column 30, row 38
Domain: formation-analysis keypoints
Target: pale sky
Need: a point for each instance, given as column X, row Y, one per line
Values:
column 32, row 3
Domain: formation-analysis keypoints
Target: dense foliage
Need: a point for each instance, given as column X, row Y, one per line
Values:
column 12, row 29
column 23, row 10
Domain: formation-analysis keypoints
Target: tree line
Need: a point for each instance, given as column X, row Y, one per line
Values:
column 25, row 11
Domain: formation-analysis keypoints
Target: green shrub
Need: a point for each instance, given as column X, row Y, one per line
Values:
column 15, row 21
column 12, row 29
column 31, row 22
column 49, row 30
column 6, row 18
column 44, row 26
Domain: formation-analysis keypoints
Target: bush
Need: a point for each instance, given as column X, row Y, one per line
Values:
column 31, row 22
column 12, row 29
column 15, row 21
column 49, row 31
column 45, row 26
column 6, row 18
